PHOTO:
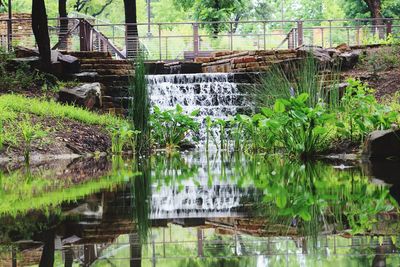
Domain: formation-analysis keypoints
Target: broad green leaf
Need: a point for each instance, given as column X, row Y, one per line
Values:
column 279, row 106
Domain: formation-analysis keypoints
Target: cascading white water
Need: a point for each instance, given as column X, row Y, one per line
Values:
column 214, row 94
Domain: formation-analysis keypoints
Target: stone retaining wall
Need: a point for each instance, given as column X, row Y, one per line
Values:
column 248, row 61
column 259, row 61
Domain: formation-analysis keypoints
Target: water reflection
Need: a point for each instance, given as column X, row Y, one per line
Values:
column 192, row 209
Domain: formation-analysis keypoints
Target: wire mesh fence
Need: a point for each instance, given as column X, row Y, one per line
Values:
column 187, row 40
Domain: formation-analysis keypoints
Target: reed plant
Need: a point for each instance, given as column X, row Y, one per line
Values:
column 282, row 81
column 122, row 137
column 139, row 110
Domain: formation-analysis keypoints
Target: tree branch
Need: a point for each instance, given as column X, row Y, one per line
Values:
column 102, row 8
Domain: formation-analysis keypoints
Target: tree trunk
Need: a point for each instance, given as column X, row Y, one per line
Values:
column 47, row 258
column 131, row 35
column 375, row 8
column 62, row 12
column 41, row 31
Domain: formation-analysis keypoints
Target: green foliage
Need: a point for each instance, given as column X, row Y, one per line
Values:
column 307, row 76
column 20, row 104
column 361, row 113
column 29, row 132
column 139, row 112
column 291, row 125
column 384, row 58
column 121, row 137
column 20, row 77
column 298, row 127
column 171, row 127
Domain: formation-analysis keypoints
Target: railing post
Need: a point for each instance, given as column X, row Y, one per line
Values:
column 159, row 41
column 357, row 32
column 9, row 26
column 83, row 35
column 330, row 33
column 299, row 33
column 389, row 27
column 231, row 36
column 196, row 39
column 9, row 35
column 265, row 35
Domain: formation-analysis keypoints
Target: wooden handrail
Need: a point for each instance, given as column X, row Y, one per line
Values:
column 103, row 38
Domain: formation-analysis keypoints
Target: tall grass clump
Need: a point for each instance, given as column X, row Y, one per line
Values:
column 139, row 111
column 29, row 133
column 282, row 81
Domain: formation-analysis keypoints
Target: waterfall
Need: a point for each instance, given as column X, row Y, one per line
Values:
column 218, row 95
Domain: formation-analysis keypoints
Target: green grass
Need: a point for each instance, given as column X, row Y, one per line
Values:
column 16, row 113
column 19, row 104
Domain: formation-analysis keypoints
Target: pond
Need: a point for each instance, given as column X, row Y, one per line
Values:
column 200, row 209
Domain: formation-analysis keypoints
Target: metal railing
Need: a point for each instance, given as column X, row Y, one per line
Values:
column 187, row 40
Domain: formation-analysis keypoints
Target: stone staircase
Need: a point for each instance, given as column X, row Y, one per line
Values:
column 113, row 74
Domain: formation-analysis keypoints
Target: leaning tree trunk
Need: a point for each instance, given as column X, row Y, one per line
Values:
column 375, row 8
column 131, row 35
column 62, row 12
column 41, row 31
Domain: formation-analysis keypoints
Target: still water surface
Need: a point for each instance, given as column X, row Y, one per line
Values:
column 200, row 209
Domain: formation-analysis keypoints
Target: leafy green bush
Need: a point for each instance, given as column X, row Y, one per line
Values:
column 382, row 59
column 171, row 127
column 297, row 128
column 291, row 125
column 21, row 77
column 360, row 112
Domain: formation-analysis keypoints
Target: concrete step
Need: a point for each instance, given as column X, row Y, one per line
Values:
column 106, row 66
column 103, row 61
column 111, row 71
column 89, row 54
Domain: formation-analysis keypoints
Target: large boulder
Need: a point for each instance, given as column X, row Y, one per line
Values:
column 382, row 145
column 87, row 95
column 21, row 52
column 348, row 60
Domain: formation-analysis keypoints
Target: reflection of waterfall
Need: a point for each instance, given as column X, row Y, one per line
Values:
column 204, row 193
column 195, row 202
column 217, row 95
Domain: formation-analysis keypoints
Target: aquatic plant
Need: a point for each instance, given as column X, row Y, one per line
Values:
column 318, row 80
column 139, row 110
column 171, row 127
column 121, row 137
